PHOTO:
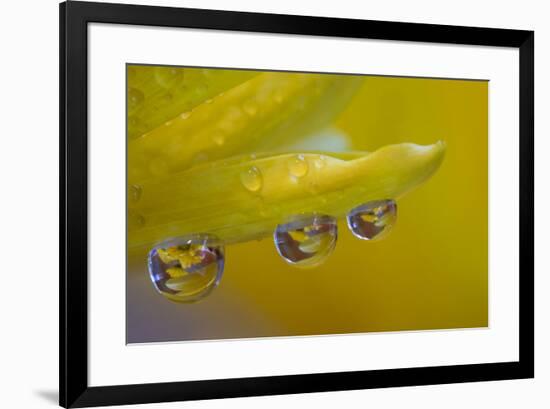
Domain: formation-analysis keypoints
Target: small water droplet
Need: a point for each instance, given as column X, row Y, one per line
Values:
column 320, row 162
column 135, row 220
column 187, row 269
column 372, row 220
column 134, row 193
column 218, row 138
column 312, row 187
column 185, row 115
column 250, row 108
column 135, row 97
column 306, row 241
column 208, row 101
column 252, row 179
column 297, row 166
column 136, row 127
column 168, row 77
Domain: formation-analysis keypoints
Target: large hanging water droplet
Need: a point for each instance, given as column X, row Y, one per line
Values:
column 187, row 269
column 372, row 220
column 306, row 241
column 252, row 179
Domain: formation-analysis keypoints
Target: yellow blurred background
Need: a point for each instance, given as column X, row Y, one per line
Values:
column 430, row 272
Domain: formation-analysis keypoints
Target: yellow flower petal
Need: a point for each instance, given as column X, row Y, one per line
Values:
column 213, row 198
column 268, row 110
column 159, row 94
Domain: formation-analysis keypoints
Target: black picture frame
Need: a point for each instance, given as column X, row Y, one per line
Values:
column 73, row 379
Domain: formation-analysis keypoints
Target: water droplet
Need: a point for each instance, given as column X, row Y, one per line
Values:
column 136, row 127
column 185, row 115
column 250, row 108
column 168, row 77
column 134, row 193
column 306, row 241
column 312, row 187
column 187, row 269
column 135, row 97
column 135, row 220
column 218, row 138
column 372, row 220
column 208, row 101
column 252, row 179
column 320, row 162
column 297, row 166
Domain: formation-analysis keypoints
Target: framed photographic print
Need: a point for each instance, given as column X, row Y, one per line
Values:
column 258, row 204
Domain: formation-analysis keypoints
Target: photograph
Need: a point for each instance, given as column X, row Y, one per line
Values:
column 257, row 203
column 265, row 203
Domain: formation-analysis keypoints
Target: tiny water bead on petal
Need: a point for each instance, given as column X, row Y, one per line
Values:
column 185, row 115
column 297, row 166
column 250, row 108
column 134, row 193
column 252, row 179
column 372, row 220
column 135, row 97
column 320, row 162
column 187, row 269
column 135, row 220
column 306, row 241
column 218, row 138
column 168, row 77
